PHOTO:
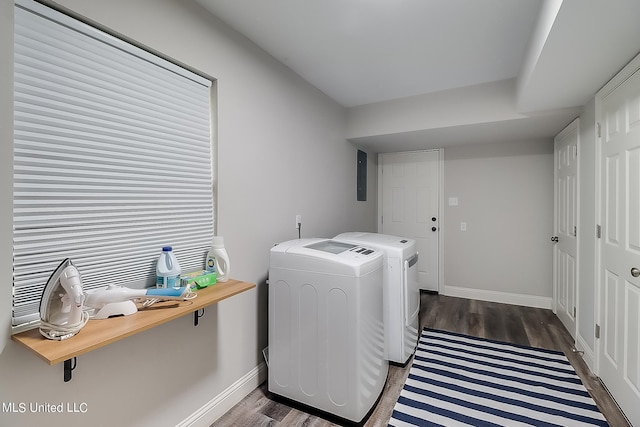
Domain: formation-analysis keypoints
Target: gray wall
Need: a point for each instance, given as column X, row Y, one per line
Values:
column 505, row 195
column 6, row 171
column 281, row 152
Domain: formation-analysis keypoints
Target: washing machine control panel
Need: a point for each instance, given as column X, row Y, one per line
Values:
column 363, row 251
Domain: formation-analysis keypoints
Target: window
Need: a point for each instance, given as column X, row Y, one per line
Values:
column 112, row 158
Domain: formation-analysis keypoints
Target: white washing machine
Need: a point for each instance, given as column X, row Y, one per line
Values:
column 400, row 289
column 326, row 332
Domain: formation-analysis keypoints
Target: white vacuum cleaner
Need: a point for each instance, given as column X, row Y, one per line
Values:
column 65, row 308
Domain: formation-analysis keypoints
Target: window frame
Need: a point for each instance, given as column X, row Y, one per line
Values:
column 147, row 262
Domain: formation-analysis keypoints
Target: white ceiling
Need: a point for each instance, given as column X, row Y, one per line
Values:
column 371, row 51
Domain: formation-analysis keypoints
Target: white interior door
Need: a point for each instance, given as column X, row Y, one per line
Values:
column 410, row 194
column 619, row 346
column 565, row 238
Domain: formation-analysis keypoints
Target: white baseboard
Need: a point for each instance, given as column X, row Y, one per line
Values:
column 588, row 354
column 496, row 296
column 219, row 405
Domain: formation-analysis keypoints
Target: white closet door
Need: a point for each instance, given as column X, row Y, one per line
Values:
column 619, row 346
column 565, row 248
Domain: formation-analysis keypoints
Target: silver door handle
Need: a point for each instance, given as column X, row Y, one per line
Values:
column 635, row 272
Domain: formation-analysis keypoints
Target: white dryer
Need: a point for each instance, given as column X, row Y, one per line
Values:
column 326, row 332
column 400, row 289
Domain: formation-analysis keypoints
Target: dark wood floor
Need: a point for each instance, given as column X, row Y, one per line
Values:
column 521, row 325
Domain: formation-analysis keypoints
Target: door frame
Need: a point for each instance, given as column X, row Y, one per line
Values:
column 631, row 68
column 440, row 206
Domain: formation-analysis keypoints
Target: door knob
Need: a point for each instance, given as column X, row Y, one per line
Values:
column 554, row 239
column 635, row 272
column 433, row 229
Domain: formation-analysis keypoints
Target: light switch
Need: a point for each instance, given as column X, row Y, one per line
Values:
column 453, row 201
column 463, row 226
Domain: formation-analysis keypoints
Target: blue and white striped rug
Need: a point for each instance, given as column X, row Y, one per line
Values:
column 458, row 380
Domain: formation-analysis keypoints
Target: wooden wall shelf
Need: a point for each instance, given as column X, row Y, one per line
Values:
column 98, row 333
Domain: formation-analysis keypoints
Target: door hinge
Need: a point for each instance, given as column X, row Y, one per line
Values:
column 597, row 331
column 598, row 231
column 575, row 231
column 382, row 220
column 575, row 151
column 574, row 312
column 598, row 129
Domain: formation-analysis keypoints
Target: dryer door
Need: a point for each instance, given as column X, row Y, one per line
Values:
column 412, row 291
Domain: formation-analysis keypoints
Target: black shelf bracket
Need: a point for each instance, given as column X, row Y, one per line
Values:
column 69, row 366
column 197, row 316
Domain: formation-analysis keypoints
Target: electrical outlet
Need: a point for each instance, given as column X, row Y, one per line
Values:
column 298, row 221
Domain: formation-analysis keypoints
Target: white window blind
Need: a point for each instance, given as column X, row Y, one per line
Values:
column 112, row 158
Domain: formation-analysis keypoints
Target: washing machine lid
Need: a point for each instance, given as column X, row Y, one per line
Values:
column 326, row 256
column 392, row 246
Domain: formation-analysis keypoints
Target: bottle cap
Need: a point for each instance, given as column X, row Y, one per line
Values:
column 217, row 242
column 167, row 249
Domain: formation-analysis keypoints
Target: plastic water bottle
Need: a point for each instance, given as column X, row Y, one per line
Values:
column 218, row 260
column 167, row 269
